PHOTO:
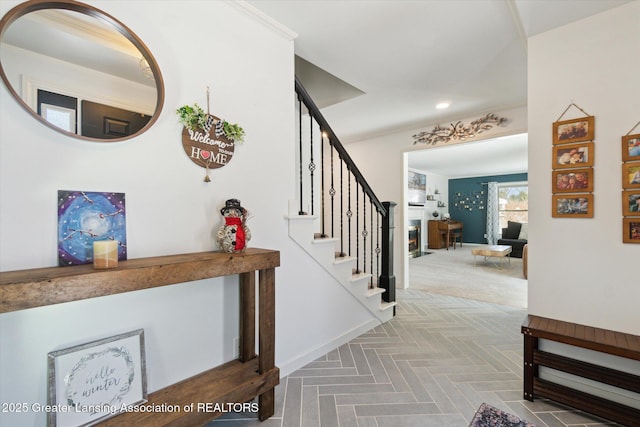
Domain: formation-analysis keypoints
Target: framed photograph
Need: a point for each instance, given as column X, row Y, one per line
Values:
column 576, row 130
column 631, row 203
column 96, row 380
column 572, row 206
column 631, row 147
column 573, row 155
column 631, row 230
column 417, row 188
column 572, row 181
column 631, row 175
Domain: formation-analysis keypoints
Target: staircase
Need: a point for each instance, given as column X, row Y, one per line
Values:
column 339, row 220
column 342, row 268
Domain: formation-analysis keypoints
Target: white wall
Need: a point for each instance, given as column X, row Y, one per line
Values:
column 170, row 210
column 579, row 269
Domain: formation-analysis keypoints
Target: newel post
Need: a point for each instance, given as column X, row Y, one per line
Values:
column 387, row 280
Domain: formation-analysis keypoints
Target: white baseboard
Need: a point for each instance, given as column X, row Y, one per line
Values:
column 304, row 359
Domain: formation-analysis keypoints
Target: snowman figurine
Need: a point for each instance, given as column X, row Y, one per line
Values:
column 234, row 234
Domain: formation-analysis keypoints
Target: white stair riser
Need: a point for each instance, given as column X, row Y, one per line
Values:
column 301, row 230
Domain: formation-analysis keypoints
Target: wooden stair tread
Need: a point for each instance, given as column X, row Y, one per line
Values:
column 360, row 276
column 387, row 305
column 375, row 291
column 343, row 259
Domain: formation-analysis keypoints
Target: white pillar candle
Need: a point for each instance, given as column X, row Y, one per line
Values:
column 105, row 254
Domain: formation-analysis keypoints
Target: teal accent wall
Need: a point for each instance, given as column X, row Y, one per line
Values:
column 475, row 220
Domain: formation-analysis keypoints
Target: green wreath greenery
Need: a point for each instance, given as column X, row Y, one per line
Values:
column 194, row 117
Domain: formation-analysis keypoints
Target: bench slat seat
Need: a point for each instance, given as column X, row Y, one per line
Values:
column 596, row 339
column 602, row 340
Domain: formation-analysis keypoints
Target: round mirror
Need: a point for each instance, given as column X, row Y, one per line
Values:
column 79, row 70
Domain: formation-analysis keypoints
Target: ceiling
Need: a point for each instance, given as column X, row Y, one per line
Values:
column 399, row 58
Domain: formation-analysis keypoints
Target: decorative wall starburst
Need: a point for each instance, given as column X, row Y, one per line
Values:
column 458, row 131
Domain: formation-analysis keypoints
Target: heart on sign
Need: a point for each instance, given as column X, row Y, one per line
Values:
column 205, row 154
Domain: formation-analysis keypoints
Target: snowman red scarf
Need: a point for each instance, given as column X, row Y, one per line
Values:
column 239, row 231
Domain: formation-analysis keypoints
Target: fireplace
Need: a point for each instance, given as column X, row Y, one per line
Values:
column 415, row 238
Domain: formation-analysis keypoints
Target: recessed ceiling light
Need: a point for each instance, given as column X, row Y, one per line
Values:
column 443, row 105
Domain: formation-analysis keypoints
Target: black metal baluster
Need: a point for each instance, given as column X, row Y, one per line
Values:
column 371, row 242
column 300, row 212
column 332, row 193
column 349, row 211
column 365, row 233
column 358, row 271
column 312, row 166
column 322, row 207
column 378, row 250
column 342, row 254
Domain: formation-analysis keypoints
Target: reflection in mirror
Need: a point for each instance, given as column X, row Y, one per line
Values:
column 79, row 70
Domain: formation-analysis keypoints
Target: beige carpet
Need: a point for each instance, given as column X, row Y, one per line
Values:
column 451, row 272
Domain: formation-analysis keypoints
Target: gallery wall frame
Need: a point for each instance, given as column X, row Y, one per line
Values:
column 572, row 181
column 631, row 230
column 631, row 175
column 575, row 130
column 631, row 148
column 572, row 165
column 630, row 151
column 572, row 206
column 578, row 155
column 631, row 202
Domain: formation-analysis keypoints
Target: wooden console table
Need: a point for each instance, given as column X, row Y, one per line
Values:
column 237, row 381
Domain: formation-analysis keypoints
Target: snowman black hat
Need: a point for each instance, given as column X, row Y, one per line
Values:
column 232, row 204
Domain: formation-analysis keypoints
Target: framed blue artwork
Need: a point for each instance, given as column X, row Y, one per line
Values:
column 85, row 217
column 417, row 188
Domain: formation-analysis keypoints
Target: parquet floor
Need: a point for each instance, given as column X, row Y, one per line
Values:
column 433, row 365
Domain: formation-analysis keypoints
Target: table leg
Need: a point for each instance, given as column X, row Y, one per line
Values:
column 247, row 316
column 267, row 320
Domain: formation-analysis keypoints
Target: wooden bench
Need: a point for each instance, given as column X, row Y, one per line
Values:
column 596, row 339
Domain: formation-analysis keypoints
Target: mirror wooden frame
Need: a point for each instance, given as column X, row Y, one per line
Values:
column 71, row 5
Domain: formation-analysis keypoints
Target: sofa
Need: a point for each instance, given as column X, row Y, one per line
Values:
column 515, row 235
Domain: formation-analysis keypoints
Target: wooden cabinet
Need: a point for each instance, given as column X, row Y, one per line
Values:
column 434, row 238
column 236, row 381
